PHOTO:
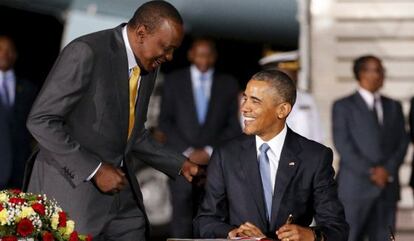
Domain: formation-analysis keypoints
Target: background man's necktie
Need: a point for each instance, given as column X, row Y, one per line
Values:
column 265, row 175
column 201, row 99
column 133, row 90
column 5, row 98
column 375, row 111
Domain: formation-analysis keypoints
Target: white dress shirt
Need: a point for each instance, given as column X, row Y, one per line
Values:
column 304, row 118
column 276, row 145
column 369, row 100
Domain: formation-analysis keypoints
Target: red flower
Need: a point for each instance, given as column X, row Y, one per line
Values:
column 15, row 191
column 39, row 208
column 1, row 207
column 17, row 200
column 62, row 219
column 47, row 236
column 88, row 237
column 25, row 227
column 9, row 238
column 74, row 236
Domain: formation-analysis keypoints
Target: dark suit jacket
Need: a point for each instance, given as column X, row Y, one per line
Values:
column 80, row 119
column 178, row 115
column 304, row 187
column 18, row 147
column 362, row 145
column 411, row 123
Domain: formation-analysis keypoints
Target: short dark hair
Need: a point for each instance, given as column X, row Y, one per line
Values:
column 152, row 13
column 280, row 82
column 210, row 41
column 359, row 64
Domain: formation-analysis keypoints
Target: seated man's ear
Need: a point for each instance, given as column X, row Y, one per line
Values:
column 283, row 110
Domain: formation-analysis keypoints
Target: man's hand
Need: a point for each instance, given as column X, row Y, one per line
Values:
column 189, row 170
column 246, row 230
column 199, row 156
column 379, row 176
column 110, row 179
column 293, row 232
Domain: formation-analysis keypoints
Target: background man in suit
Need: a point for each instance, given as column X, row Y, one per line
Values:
column 256, row 181
column 89, row 122
column 16, row 98
column 411, row 125
column 199, row 110
column 369, row 134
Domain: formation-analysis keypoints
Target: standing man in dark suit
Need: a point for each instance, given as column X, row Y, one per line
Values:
column 16, row 98
column 411, row 125
column 199, row 110
column 89, row 121
column 255, row 182
column 370, row 136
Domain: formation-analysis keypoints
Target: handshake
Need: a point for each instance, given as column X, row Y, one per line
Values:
column 111, row 180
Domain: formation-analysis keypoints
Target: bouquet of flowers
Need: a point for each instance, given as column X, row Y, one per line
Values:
column 35, row 217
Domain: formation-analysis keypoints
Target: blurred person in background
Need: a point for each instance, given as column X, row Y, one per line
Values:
column 304, row 118
column 370, row 137
column 411, row 126
column 17, row 95
column 199, row 110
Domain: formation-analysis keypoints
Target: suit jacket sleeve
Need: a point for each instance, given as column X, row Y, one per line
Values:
column 411, row 123
column 393, row 163
column 213, row 215
column 63, row 89
column 329, row 212
column 157, row 156
column 355, row 161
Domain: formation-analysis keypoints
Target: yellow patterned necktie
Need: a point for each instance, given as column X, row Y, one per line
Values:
column 133, row 90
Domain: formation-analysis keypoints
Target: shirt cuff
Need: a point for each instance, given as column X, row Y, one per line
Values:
column 94, row 172
column 209, row 150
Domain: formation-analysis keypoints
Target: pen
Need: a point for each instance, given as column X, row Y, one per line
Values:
column 289, row 220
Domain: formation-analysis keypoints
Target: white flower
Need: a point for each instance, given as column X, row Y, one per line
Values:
column 70, row 226
column 4, row 198
column 55, row 221
column 26, row 212
column 4, row 217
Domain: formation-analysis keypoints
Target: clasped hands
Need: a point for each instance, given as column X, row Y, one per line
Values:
column 288, row 232
column 379, row 176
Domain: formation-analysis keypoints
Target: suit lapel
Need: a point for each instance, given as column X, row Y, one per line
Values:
column 119, row 67
column 250, row 167
column 288, row 165
column 214, row 94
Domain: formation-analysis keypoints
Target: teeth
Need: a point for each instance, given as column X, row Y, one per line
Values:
column 249, row 118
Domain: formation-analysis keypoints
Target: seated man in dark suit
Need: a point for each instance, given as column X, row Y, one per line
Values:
column 255, row 182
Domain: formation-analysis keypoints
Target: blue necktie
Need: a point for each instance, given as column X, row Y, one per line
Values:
column 201, row 99
column 5, row 99
column 265, row 174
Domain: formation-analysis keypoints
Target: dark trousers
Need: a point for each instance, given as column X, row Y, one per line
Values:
column 125, row 221
column 370, row 219
column 186, row 198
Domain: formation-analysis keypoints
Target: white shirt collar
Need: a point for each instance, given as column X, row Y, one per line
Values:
column 195, row 73
column 276, row 143
column 368, row 96
column 130, row 54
